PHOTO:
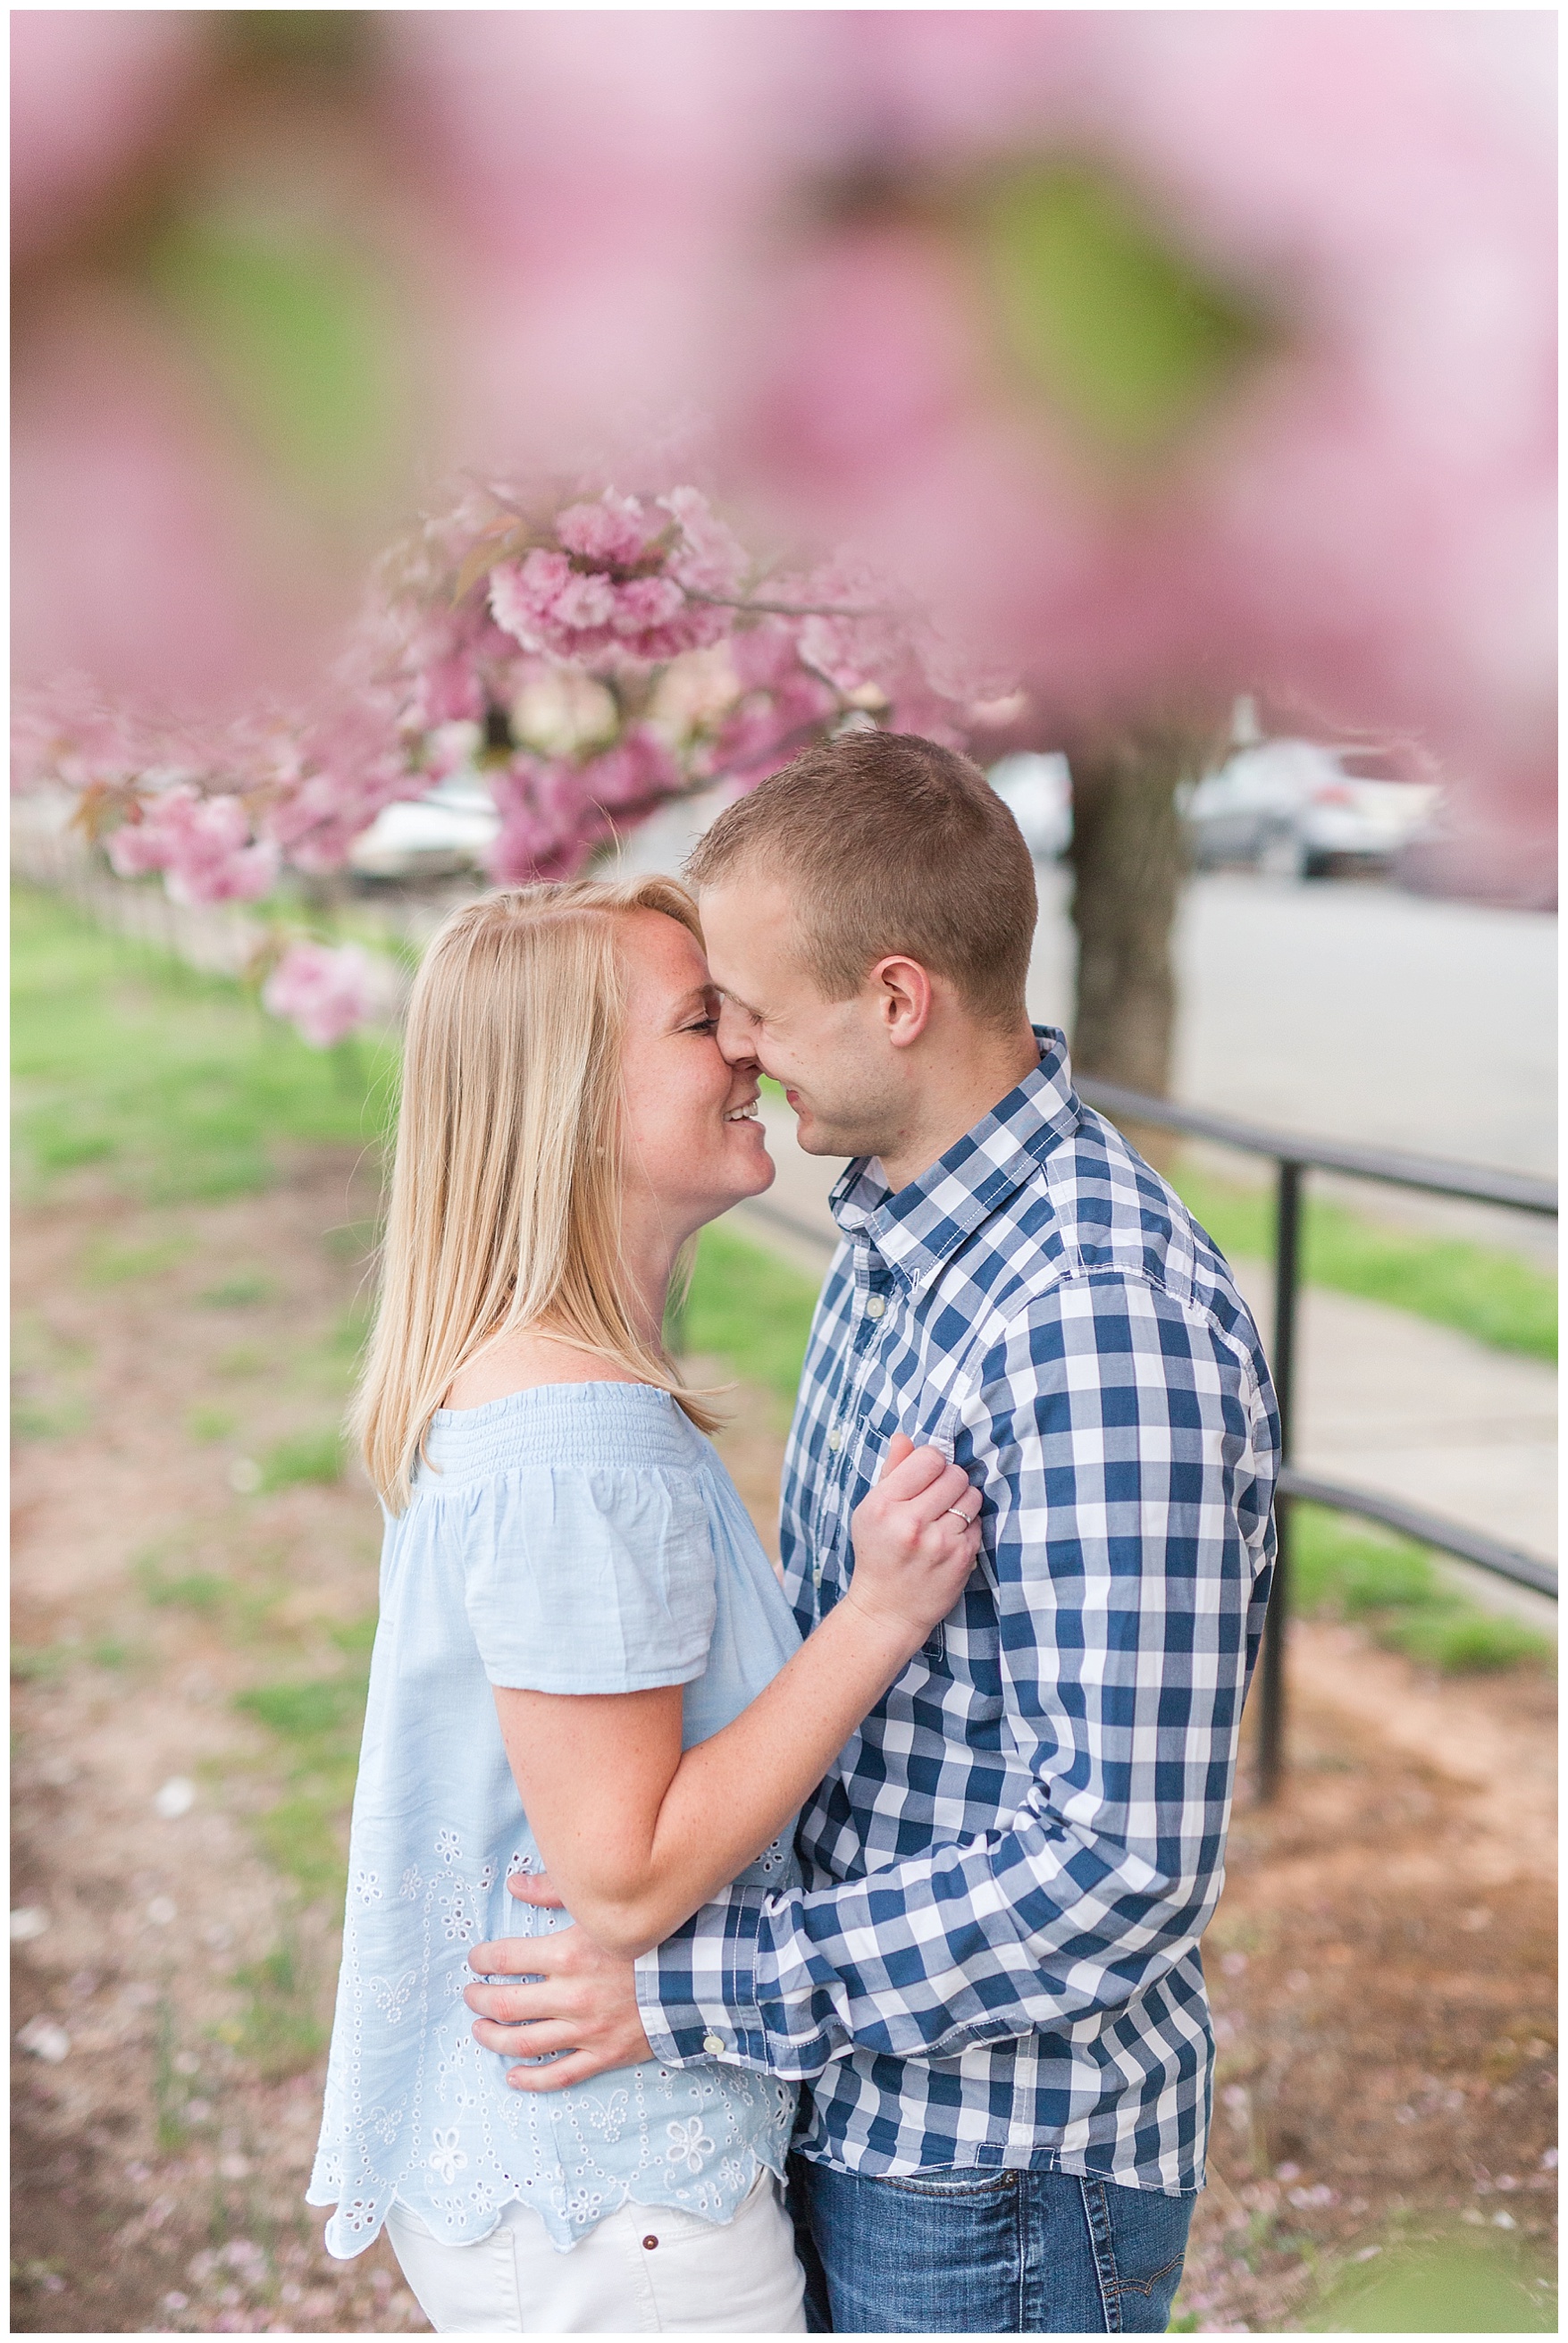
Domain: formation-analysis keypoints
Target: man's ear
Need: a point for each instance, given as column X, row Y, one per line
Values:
column 903, row 997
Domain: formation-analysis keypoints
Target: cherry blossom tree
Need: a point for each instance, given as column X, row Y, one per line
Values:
column 593, row 653
column 1169, row 355
column 1181, row 356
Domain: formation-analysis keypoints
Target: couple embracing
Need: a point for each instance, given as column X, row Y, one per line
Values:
column 729, row 1958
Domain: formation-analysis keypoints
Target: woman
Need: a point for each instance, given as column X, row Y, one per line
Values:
column 585, row 1663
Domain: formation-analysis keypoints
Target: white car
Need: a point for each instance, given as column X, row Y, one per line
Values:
column 1297, row 810
column 440, row 835
column 1038, row 792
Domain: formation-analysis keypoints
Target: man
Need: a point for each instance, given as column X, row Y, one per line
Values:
column 990, row 1982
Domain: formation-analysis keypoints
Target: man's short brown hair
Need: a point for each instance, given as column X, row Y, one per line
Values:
column 891, row 844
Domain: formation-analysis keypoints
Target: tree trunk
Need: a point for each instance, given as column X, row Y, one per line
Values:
column 1129, row 859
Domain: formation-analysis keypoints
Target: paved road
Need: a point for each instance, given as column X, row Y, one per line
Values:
column 1359, row 1012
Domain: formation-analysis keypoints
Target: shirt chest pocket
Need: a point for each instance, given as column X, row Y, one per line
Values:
column 932, row 1428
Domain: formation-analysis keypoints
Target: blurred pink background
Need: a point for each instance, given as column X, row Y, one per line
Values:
column 1172, row 355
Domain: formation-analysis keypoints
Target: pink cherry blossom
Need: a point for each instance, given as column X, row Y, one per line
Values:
column 630, row 658
column 784, row 707
column 637, row 773
column 547, row 830
column 551, row 608
column 579, row 603
column 326, row 992
column 613, row 532
column 203, row 845
column 707, row 556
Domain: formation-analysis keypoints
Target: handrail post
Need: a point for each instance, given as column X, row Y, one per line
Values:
column 1276, row 1631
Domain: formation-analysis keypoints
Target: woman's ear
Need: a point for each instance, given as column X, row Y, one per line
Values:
column 904, row 997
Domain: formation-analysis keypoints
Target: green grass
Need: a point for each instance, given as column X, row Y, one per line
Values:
column 239, row 1293
column 1342, row 1569
column 205, row 1425
column 187, row 1590
column 1456, row 2284
column 312, row 1457
column 111, row 1264
column 1483, row 1291
column 35, row 1418
column 38, row 1663
column 169, row 2094
column 178, row 1086
column 280, row 2029
column 316, row 1722
column 1102, row 310
column 750, row 1309
column 47, row 1371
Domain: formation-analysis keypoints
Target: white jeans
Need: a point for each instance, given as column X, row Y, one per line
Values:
column 645, row 2270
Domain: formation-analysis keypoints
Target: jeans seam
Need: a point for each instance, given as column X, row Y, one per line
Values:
column 1097, row 2218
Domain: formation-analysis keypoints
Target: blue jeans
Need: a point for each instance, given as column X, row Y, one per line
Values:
column 983, row 2252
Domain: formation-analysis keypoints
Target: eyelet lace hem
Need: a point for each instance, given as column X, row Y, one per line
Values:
column 569, row 2215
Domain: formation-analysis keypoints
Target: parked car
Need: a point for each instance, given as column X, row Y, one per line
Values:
column 1297, row 809
column 438, row 836
column 1038, row 792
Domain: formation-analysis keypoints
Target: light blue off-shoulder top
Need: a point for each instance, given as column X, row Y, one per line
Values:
column 575, row 1538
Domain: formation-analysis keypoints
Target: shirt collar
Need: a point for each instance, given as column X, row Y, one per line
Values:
column 916, row 1230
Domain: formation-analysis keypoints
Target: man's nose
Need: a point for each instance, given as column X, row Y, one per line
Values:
column 735, row 1035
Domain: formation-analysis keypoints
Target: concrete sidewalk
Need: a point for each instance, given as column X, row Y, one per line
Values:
column 1387, row 1400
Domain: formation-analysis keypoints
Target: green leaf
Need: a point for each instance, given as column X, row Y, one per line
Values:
column 304, row 342
column 1094, row 305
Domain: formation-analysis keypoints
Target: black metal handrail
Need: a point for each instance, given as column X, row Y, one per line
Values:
column 1477, row 1184
column 1293, row 1156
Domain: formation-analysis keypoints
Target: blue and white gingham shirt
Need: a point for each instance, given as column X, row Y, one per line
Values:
column 993, row 1960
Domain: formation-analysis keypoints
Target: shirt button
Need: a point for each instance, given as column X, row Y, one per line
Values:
column 713, row 2043
column 875, row 1307
column 816, row 1573
column 835, row 1437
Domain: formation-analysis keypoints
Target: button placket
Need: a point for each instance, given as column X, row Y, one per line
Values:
column 870, row 1307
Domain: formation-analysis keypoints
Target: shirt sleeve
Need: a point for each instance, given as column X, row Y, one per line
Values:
column 590, row 1578
column 1128, row 1458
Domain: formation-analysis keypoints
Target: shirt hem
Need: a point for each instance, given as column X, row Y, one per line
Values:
column 635, row 1680
column 631, row 2195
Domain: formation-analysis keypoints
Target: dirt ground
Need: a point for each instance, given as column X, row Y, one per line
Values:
column 1382, row 1963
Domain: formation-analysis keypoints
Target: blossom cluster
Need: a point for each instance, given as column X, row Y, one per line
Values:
column 327, row 991
column 592, row 655
column 204, row 846
column 643, row 579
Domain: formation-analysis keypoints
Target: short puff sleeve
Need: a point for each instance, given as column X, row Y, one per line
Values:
column 590, row 1578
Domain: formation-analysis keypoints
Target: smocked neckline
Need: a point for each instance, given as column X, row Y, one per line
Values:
column 488, row 1410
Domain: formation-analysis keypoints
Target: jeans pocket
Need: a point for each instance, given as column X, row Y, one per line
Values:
column 960, row 2181
column 1139, row 2242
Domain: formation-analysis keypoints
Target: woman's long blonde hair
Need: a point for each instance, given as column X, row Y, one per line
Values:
column 505, row 1209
